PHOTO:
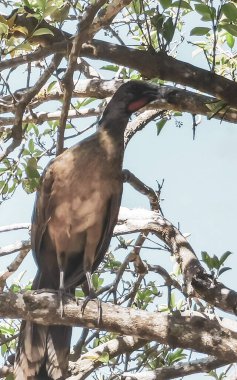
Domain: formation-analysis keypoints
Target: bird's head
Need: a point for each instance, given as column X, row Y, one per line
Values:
column 135, row 95
column 129, row 98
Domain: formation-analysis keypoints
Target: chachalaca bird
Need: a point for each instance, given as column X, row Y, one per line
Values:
column 75, row 212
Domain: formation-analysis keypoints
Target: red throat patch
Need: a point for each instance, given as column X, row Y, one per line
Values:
column 136, row 105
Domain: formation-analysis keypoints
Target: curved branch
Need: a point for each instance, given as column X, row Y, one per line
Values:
column 176, row 370
column 197, row 281
column 88, row 362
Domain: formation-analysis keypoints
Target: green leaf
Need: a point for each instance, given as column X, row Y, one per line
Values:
column 199, row 31
column 215, row 262
column 5, row 189
column 110, row 68
column 79, row 293
column 157, row 21
column 30, row 185
column 225, row 256
column 208, row 13
column 31, row 146
column 3, row 20
column 42, row 31
column 176, row 356
column 137, row 6
column 168, row 30
column 172, row 301
column 32, row 163
column 182, row 4
column 230, row 11
column 3, row 29
column 51, row 85
column 222, row 270
column 95, row 281
column 206, row 259
column 15, row 288
column 60, row 13
column 27, row 4
column 202, row 9
column 230, row 28
column 230, row 40
column 31, row 168
column 159, row 125
column 166, row 3
column 21, row 29
column 87, row 101
column 104, row 358
column 41, row 4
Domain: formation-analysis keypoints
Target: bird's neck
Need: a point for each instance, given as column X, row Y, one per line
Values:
column 114, row 122
column 112, row 140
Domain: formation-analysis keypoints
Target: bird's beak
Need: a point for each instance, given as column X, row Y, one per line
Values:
column 153, row 93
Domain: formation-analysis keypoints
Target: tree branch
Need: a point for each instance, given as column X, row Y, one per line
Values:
column 84, row 31
column 197, row 281
column 90, row 361
column 24, row 100
column 149, row 64
column 171, row 98
column 177, row 370
column 195, row 331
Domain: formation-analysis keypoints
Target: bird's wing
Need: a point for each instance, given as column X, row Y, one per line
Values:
column 110, row 222
column 41, row 212
column 78, row 276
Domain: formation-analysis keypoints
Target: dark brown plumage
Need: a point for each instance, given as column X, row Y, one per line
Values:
column 75, row 212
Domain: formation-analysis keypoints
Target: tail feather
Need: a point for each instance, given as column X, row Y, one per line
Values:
column 42, row 352
column 58, row 348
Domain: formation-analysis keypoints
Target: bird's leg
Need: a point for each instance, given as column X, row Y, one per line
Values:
column 90, row 296
column 61, row 263
column 89, row 258
column 61, row 290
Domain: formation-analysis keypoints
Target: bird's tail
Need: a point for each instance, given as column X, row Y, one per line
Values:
column 42, row 352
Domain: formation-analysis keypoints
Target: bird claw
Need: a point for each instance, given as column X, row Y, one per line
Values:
column 112, row 290
column 90, row 297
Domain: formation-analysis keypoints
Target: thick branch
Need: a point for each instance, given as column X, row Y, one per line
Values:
column 149, row 64
column 197, row 281
column 171, row 98
column 195, row 331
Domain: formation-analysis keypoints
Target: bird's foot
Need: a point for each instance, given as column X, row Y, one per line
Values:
column 92, row 296
column 111, row 291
